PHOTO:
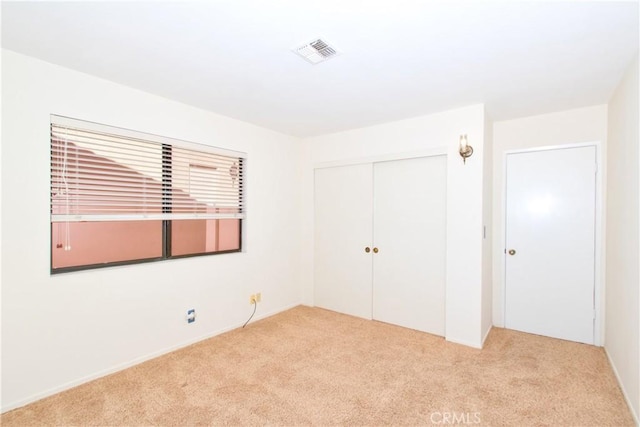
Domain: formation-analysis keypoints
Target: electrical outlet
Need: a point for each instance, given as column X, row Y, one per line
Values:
column 258, row 297
column 191, row 315
column 252, row 299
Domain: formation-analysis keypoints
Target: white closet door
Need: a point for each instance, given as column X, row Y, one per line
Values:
column 410, row 235
column 343, row 200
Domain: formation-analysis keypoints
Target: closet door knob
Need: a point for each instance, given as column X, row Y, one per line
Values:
column 511, row 252
column 367, row 249
column 375, row 250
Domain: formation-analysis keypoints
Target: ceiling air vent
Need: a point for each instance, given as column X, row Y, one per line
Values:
column 316, row 51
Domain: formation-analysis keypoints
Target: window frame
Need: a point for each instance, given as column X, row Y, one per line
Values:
column 167, row 176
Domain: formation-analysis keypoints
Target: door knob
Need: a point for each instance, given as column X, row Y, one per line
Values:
column 375, row 250
column 512, row 251
column 367, row 249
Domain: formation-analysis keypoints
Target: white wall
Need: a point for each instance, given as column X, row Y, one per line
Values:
column 0, row 218
column 63, row 329
column 622, row 278
column 464, row 199
column 560, row 128
column 487, row 221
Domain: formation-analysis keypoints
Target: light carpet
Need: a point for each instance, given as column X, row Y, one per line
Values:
column 309, row 366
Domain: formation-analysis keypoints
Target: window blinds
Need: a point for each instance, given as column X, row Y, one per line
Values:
column 102, row 173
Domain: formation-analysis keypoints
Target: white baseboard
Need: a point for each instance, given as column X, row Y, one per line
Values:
column 136, row 361
column 624, row 392
column 463, row 342
column 486, row 335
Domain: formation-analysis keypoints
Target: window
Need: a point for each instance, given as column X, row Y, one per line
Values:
column 121, row 197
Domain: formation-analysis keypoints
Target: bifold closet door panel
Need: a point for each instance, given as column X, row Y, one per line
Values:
column 343, row 221
column 410, row 234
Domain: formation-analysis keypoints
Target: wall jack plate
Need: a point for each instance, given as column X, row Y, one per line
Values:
column 191, row 316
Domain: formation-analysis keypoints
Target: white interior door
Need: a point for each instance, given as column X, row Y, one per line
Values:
column 410, row 235
column 550, row 243
column 343, row 222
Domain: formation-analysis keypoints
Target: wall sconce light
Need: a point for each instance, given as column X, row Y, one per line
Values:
column 465, row 149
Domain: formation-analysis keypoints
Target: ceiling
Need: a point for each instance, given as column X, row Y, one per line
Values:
column 398, row 59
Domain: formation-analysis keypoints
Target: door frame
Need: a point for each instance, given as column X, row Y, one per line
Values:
column 598, row 324
column 382, row 158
